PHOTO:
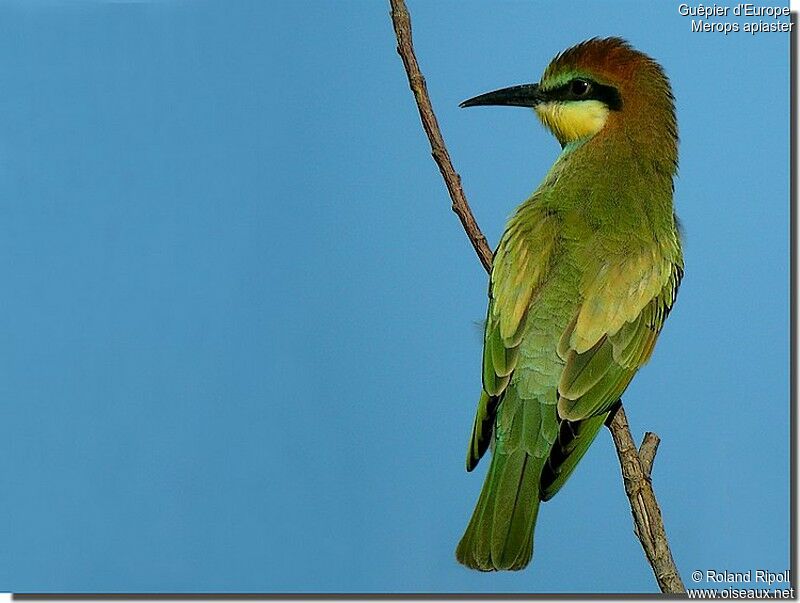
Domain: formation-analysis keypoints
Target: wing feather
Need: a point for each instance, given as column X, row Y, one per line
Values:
column 521, row 263
column 622, row 333
column 602, row 358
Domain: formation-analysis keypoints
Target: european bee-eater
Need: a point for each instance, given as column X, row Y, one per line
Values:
column 583, row 278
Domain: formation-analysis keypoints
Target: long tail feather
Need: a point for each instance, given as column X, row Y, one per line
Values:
column 500, row 534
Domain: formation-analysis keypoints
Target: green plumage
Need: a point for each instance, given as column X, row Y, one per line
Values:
column 583, row 279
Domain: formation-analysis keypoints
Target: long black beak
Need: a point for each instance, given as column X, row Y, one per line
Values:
column 526, row 95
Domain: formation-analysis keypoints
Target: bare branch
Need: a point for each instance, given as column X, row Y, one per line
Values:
column 644, row 506
column 636, row 465
column 402, row 28
column 647, row 451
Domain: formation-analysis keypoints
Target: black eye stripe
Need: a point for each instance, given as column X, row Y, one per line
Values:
column 574, row 90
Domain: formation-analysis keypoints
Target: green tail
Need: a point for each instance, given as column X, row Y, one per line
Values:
column 500, row 534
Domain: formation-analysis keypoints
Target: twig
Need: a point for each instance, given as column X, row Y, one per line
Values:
column 402, row 28
column 636, row 464
column 647, row 451
column 644, row 506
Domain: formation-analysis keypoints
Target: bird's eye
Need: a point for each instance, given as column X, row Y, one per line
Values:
column 579, row 87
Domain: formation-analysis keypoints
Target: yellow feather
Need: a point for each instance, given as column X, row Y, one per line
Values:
column 574, row 120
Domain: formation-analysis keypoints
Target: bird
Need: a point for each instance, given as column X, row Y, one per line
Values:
column 583, row 278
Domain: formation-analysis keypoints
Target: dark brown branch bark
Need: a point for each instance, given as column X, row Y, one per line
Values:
column 636, row 464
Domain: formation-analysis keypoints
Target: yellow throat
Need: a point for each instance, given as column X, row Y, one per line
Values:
column 571, row 121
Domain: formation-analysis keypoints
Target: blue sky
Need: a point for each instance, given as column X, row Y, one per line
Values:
column 238, row 341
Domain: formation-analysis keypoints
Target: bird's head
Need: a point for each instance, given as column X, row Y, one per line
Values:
column 600, row 85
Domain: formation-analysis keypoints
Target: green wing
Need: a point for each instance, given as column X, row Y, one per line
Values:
column 521, row 263
column 611, row 337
